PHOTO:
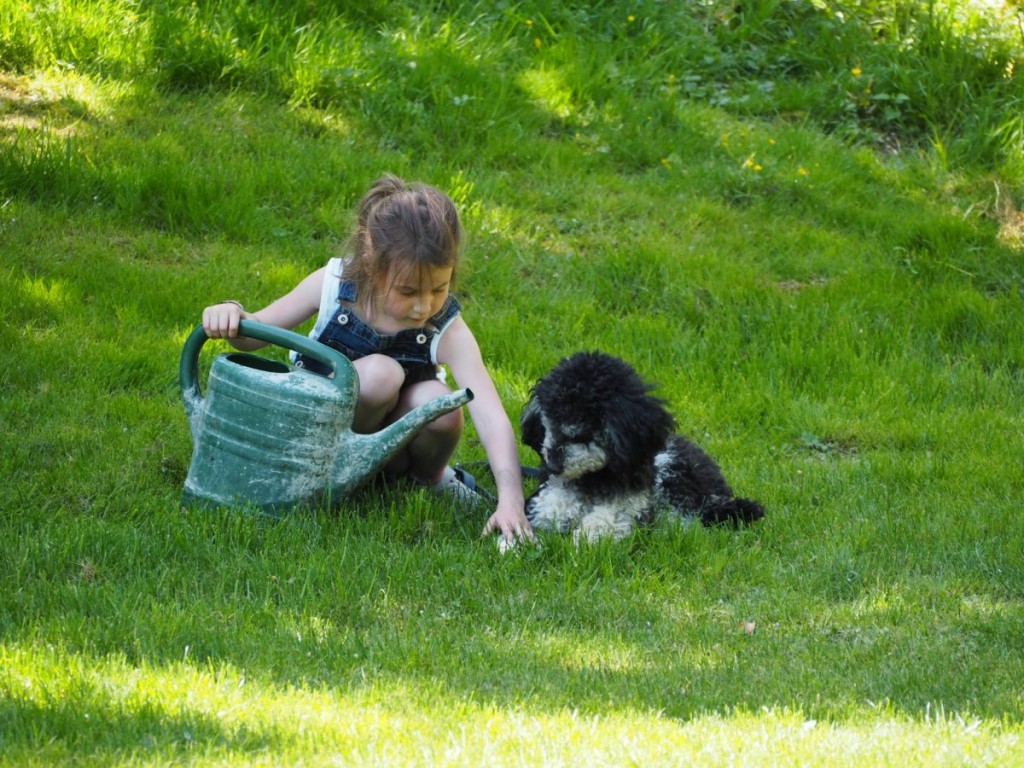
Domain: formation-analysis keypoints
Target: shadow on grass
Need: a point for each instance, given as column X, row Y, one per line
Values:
column 90, row 723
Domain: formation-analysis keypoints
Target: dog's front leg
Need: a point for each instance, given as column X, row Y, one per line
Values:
column 603, row 521
column 555, row 507
column 615, row 518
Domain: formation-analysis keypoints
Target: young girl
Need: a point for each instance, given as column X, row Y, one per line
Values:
column 388, row 308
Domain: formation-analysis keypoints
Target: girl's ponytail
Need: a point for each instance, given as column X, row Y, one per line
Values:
column 383, row 188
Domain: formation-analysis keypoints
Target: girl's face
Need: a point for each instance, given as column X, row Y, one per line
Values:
column 410, row 297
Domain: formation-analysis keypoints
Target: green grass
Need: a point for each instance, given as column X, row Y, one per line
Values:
column 826, row 284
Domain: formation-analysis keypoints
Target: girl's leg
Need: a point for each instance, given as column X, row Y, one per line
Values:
column 380, row 384
column 426, row 457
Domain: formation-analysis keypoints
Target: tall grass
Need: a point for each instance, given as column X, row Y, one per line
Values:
column 826, row 285
column 914, row 73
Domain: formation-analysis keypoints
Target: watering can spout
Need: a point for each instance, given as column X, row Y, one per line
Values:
column 360, row 451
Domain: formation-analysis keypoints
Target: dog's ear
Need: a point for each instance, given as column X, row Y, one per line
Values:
column 532, row 426
column 636, row 427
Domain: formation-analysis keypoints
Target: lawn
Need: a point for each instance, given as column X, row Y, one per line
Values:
column 801, row 219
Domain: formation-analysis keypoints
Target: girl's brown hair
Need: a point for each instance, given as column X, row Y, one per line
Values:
column 401, row 227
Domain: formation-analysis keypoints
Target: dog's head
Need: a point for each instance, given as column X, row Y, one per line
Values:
column 593, row 412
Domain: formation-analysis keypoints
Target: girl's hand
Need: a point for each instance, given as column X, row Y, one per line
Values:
column 461, row 353
column 220, row 321
column 510, row 523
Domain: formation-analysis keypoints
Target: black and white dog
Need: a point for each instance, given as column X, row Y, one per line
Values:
column 611, row 458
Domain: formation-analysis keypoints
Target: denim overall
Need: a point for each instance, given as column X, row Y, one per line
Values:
column 415, row 349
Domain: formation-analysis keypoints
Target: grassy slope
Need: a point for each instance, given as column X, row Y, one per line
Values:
column 840, row 330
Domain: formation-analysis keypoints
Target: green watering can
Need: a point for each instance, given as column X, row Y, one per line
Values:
column 275, row 437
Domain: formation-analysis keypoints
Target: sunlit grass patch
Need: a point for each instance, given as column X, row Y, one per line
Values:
column 149, row 715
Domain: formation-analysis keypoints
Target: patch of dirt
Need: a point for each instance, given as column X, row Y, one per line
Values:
column 23, row 108
column 794, row 286
column 18, row 105
column 1011, row 224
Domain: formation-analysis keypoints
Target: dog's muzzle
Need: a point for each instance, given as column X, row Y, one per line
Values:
column 575, row 460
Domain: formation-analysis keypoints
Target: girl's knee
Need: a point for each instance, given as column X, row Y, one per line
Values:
column 380, row 379
column 451, row 423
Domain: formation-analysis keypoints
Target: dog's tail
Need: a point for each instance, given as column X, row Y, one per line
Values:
column 724, row 510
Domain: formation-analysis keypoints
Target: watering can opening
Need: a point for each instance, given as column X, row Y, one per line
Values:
column 258, row 363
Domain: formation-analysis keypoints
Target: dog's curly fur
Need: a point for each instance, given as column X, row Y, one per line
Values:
column 611, row 458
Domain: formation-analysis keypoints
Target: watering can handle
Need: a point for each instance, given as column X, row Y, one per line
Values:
column 188, row 372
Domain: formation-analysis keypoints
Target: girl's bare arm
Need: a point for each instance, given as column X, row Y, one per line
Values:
column 298, row 305
column 461, row 353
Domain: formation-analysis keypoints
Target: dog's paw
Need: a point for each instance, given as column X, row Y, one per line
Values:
column 591, row 532
column 610, row 521
column 506, row 545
